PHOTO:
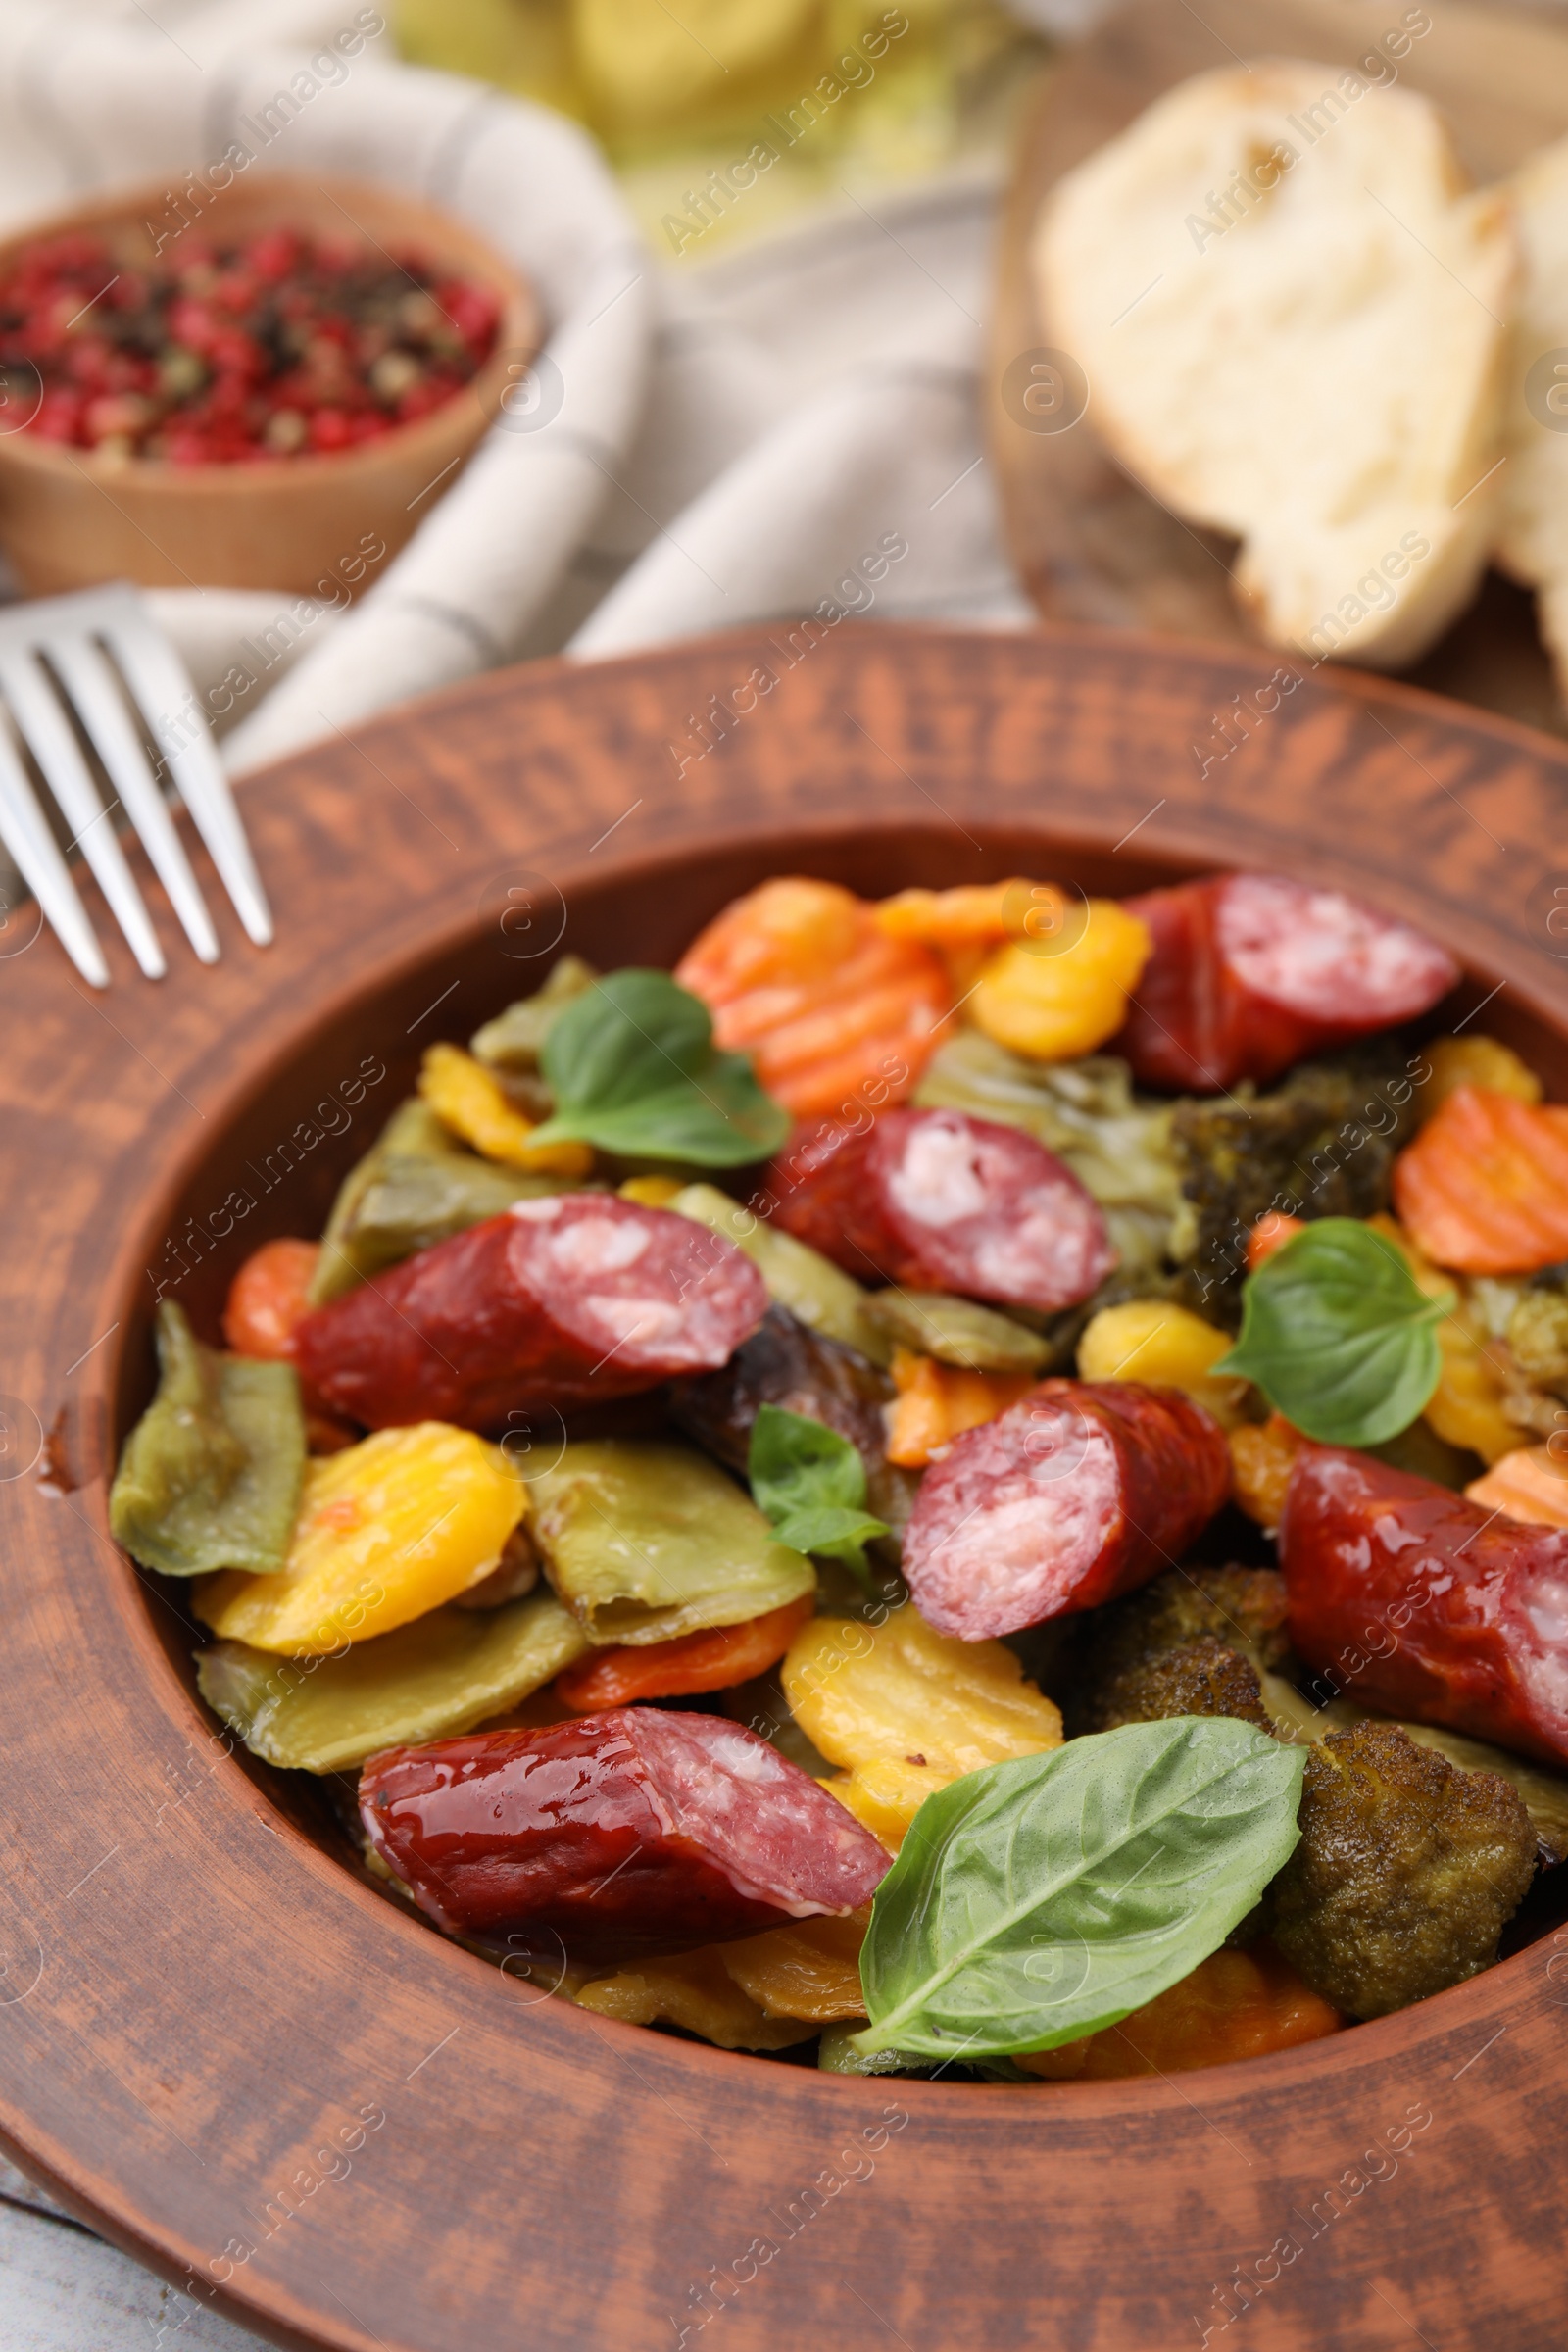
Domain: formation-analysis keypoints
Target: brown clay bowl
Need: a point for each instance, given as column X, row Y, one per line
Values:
column 70, row 517
column 218, row 2043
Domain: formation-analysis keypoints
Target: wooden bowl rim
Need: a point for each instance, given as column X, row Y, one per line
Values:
column 520, row 328
column 435, row 932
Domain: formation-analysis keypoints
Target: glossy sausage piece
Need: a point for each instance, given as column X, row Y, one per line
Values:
column 936, row 1200
column 567, row 1301
column 1250, row 972
column 638, row 1832
column 1420, row 1603
column 1080, row 1492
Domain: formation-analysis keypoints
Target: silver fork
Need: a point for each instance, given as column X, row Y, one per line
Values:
column 87, row 651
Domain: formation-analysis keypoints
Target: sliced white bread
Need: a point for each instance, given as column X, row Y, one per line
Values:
column 1532, row 524
column 1292, row 315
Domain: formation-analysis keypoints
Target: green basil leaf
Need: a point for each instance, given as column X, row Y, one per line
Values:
column 1339, row 1334
column 633, row 1069
column 811, row 1484
column 831, row 1533
column 1042, row 1899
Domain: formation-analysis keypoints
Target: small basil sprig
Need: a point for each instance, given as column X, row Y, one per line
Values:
column 811, row 1484
column 1339, row 1334
column 1040, row 1900
column 633, row 1069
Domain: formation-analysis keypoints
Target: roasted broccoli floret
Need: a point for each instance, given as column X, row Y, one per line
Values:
column 1242, row 1609
column 1205, row 1676
column 1407, row 1871
column 1320, row 1144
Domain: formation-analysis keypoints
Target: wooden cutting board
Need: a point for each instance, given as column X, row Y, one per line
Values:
column 1091, row 545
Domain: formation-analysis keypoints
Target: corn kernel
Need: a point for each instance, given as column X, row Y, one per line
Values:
column 1166, row 1347
column 1054, row 999
column 387, row 1530
column 469, row 1100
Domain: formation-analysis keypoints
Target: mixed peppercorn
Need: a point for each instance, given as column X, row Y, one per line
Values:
column 280, row 346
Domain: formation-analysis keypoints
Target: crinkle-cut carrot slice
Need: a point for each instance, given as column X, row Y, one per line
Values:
column 789, row 928
column 832, row 1011
column 1529, row 1484
column 1234, row 2005
column 1484, row 1187
column 966, row 925
column 936, row 1402
column 1271, row 1232
column 714, row 1659
column 974, row 914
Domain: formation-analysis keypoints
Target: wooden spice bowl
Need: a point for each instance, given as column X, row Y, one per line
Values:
column 219, row 2043
column 308, row 525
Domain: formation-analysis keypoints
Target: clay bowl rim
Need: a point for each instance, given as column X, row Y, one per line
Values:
column 437, row 935
column 520, row 328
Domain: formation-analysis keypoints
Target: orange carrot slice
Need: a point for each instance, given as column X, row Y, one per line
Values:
column 1234, row 2005
column 1484, row 1187
column 835, row 1014
column 712, row 1661
column 937, row 1401
column 267, row 1298
column 1529, row 1484
column 1262, row 1458
column 1270, row 1233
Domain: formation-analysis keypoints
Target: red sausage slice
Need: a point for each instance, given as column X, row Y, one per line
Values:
column 569, row 1301
column 1250, row 972
column 940, row 1202
column 1408, row 1598
column 635, row 1832
column 1080, row 1492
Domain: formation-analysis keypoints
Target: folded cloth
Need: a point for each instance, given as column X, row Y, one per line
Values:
column 112, row 104
column 790, row 431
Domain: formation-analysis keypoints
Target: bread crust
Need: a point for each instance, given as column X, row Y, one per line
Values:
column 1291, row 309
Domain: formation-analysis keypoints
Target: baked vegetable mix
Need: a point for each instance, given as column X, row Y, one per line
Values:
column 967, row 1483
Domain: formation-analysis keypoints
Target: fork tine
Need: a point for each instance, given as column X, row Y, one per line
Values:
column 37, row 713
column 91, row 683
column 160, row 686
column 33, row 847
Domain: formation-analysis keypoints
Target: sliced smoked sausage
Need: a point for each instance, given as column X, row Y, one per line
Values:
column 937, row 1200
column 1253, row 972
column 636, row 1831
column 1078, row 1493
column 1418, row 1603
column 569, row 1301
